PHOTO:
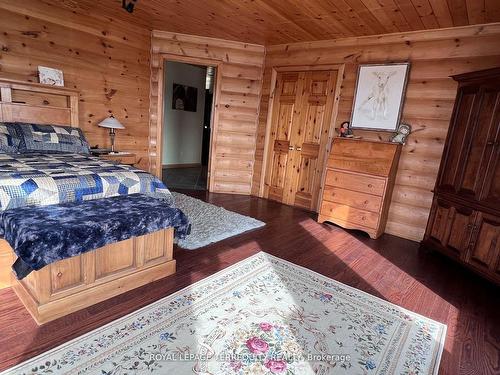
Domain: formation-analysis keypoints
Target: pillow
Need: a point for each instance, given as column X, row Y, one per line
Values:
column 52, row 139
column 9, row 137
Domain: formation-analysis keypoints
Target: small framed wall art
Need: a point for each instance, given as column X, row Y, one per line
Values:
column 50, row 76
column 184, row 98
column 379, row 96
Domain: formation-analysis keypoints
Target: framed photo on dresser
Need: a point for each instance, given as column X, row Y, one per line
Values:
column 379, row 96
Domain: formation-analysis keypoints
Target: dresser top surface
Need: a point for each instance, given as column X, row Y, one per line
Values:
column 360, row 140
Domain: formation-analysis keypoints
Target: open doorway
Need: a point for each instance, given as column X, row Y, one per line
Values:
column 187, row 124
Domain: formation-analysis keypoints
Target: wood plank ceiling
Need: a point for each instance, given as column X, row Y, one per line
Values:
column 270, row 22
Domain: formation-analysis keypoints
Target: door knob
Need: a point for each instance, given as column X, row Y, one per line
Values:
column 290, row 148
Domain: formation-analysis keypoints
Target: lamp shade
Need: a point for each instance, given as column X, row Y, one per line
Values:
column 112, row 123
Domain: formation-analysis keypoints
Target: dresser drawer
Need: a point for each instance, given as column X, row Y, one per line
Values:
column 356, row 182
column 350, row 214
column 354, row 199
column 369, row 157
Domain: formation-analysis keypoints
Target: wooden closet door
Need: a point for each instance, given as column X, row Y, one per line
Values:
column 285, row 114
column 310, row 137
column 300, row 126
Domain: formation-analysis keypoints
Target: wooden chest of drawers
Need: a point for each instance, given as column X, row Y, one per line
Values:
column 358, row 184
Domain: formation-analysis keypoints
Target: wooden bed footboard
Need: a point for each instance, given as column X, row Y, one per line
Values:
column 72, row 284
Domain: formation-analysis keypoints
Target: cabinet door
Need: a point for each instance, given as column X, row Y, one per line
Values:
column 491, row 191
column 482, row 144
column 490, row 195
column 451, row 226
column 459, row 138
column 485, row 244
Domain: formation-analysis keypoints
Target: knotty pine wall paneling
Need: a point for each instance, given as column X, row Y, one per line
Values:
column 240, row 67
column 434, row 56
column 105, row 58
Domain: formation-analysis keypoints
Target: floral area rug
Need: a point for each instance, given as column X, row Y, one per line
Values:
column 262, row 315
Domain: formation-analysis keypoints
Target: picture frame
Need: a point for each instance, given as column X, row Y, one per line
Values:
column 184, row 98
column 50, row 76
column 379, row 96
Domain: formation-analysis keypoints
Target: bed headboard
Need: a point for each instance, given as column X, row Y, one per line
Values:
column 38, row 104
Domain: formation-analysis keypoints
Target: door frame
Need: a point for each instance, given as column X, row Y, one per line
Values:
column 267, row 140
column 217, row 64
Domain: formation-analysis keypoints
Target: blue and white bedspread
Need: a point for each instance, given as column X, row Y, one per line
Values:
column 37, row 179
column 46, row 234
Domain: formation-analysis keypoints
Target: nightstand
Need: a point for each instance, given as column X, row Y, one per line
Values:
column 127, row 158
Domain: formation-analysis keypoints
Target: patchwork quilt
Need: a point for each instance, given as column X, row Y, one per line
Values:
column 38, row 179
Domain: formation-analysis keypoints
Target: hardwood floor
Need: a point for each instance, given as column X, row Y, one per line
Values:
column 189, row 178
column 390, row 268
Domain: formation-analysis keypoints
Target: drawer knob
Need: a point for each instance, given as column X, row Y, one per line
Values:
column 366, row 202
column 59, row 274
column 370, row 185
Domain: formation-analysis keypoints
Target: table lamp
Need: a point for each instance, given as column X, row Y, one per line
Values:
column 111, row 123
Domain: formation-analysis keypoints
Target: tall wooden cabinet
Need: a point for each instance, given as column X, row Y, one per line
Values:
column 465, row 217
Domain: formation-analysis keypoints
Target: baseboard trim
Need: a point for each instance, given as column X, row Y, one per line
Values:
column 186, row 165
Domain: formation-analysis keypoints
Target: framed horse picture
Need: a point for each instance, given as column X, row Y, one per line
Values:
column 379, row 96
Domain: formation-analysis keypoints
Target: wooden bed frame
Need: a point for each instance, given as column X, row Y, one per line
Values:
column 75, row 283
